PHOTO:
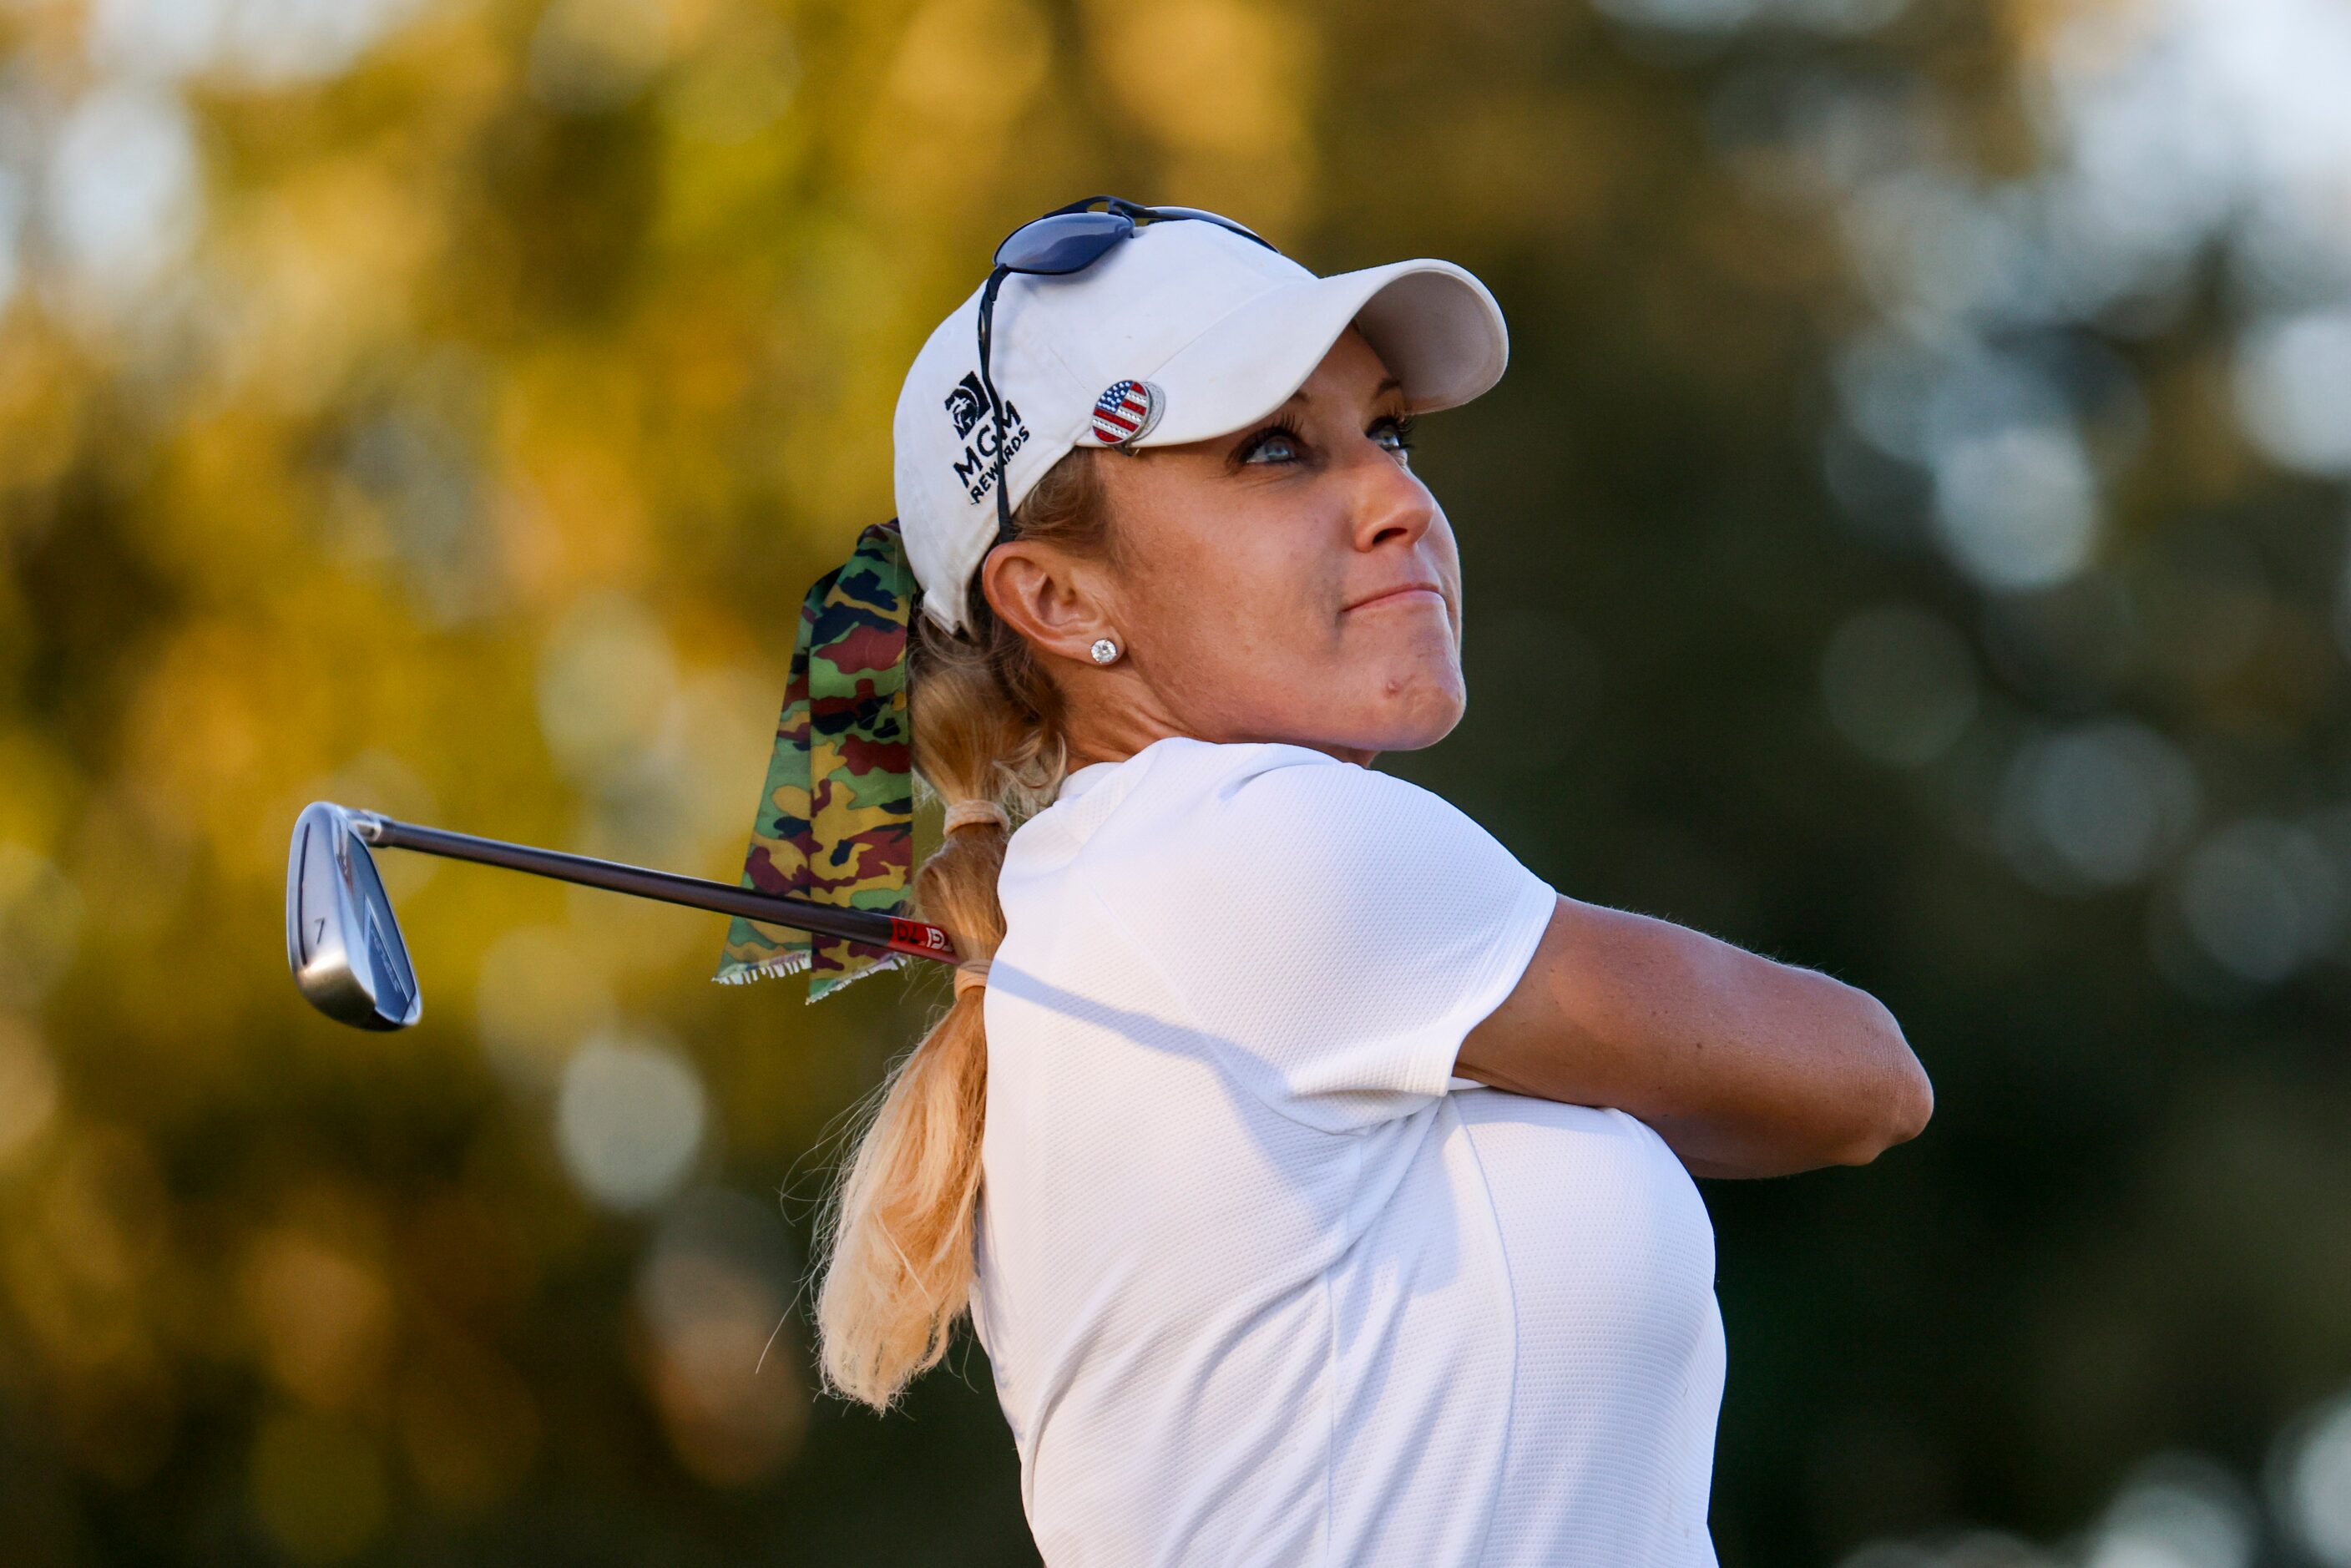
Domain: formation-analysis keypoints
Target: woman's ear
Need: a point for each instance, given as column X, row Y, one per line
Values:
column 1058, row 602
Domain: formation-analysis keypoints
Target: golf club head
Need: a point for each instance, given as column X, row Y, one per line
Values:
column 341, row 939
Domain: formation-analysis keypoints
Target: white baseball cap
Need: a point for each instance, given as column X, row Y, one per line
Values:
column 1183, row 331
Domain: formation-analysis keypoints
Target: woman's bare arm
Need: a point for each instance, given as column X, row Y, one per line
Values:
column 1746, row 1067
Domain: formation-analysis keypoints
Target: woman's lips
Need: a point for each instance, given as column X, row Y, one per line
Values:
column 1403, row 595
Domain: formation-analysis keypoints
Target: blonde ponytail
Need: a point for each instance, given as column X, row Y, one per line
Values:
column 897, row 1239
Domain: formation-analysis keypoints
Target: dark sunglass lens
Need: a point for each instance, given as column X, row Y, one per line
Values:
column 1066, row 242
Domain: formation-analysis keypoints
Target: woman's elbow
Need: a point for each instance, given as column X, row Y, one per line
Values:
column 1900, row 1098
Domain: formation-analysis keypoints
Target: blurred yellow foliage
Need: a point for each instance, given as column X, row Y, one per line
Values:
column 441, row 406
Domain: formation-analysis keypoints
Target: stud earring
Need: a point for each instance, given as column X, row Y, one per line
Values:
column 1105, row 652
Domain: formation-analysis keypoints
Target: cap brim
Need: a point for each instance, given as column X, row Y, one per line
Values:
column 1434, row 326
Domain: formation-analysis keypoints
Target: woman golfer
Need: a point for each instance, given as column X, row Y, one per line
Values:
column 1318, row 1179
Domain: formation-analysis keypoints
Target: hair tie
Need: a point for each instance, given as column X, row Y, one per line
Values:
column 971, row 975
column 969, row 813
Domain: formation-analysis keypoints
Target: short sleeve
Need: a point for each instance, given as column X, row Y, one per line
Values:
column 1334, row 931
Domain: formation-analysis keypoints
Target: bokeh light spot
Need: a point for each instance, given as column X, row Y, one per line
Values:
column 262, row 41
column 40, row 923
column 539, row 992
column 628, row 1118
column 2097, row 805
column 2310, row 1475
column 606, row 677
column 2176, row 1511
column 123, row 189
column 2017, row 508
column 2262, row 899
column 2293, row 389
column 1899, row 683
column 325, row 1317
column 28, row 1086
column 714, row 1292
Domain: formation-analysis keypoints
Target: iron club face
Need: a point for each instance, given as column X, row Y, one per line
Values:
column 341, row 938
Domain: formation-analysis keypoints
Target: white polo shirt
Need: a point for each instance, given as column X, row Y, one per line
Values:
column 1261, row 1281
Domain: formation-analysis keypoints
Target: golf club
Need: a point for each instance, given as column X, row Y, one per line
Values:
column 344, row 944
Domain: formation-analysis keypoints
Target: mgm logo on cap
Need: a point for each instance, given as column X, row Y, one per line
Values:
column 967, row 408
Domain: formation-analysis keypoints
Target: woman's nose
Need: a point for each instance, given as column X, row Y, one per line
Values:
column 1391, row 505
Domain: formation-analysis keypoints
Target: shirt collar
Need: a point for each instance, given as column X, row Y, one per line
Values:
column 1083, row 779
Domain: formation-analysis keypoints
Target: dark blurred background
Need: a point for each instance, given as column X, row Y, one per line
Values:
column 1910, row 541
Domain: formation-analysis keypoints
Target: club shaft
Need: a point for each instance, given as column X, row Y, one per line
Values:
column 871, row 927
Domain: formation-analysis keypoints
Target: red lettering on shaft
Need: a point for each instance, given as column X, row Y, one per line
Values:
column 917, row 934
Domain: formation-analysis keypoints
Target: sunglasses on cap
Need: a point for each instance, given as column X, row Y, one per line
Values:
column 1064, row 241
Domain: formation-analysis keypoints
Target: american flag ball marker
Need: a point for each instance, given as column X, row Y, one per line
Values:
column 1126, row 411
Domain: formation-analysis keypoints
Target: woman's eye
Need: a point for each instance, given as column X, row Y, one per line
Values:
column 1393, row 435
column 1273, row 446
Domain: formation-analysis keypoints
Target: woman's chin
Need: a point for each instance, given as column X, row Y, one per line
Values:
column 1425, row 727
column 1416, row 711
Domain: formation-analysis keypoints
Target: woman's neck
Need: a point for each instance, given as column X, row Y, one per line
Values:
column 1117, row 717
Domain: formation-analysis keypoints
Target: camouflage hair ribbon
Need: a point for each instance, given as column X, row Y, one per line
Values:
column 836, row 819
